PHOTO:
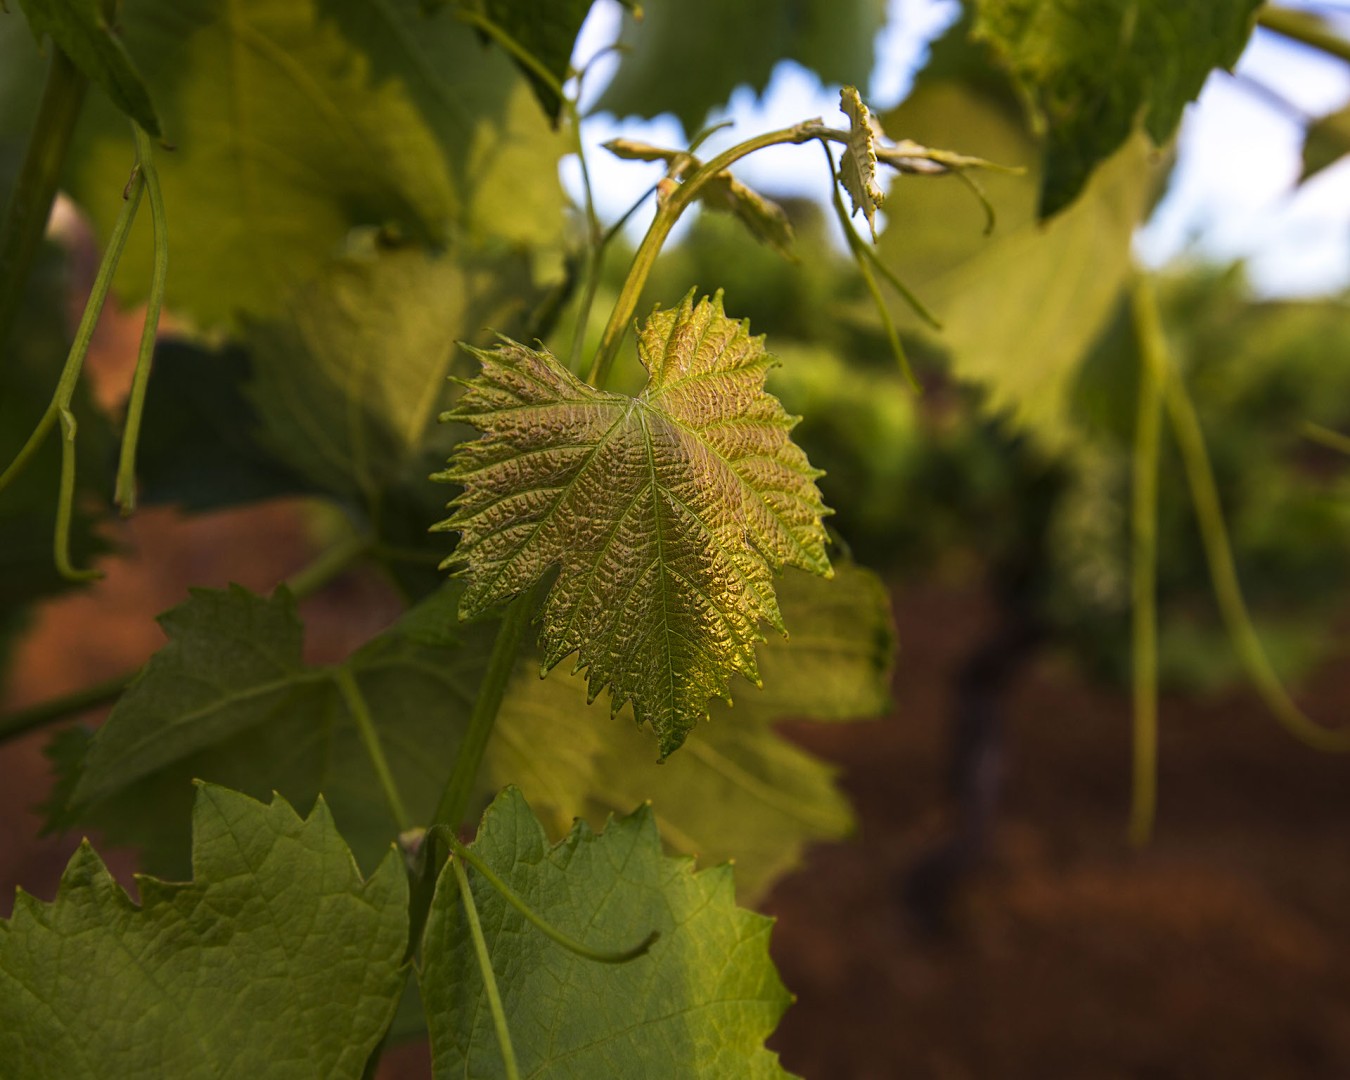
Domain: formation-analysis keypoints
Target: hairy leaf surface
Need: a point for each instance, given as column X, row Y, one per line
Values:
column 276, row 960
column 1092, row 69
column 700, row 1003
column 858, row 168
column 667, row 513
column 737, row 790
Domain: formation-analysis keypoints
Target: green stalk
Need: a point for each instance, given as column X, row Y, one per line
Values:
column 1305, row 28
column 666, row 215
column 1332, row 440
column 454, row 800
column 30, row 203
column 1223, row 574
column 489, row 977
column 546, row 928
column 1144, row 559
column 125, row 491
column 370, row 739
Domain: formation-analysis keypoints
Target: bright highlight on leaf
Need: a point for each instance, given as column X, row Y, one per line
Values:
column 276, row 960
column 667, row 513
column 700, row 1003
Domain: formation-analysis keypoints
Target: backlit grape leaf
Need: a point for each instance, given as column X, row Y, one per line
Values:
column 1327, row 141
column 686, row 56
column 80, row 29
column 737, row 790
column 1020, row 308
column 230, row 699
column 858, row 166
column 277, row 959
column 292, row 121
column 1091, row 70
column 700, row 1003
column 667, row 513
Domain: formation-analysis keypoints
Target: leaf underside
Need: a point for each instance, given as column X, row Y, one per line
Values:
column 667, row 514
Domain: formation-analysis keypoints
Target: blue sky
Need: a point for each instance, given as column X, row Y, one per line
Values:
column 1233, row 194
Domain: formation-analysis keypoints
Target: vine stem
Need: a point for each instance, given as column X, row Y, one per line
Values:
column 489, row 977
column 454, row 800
column 1144, row 560
column 125, row 491
column 1305, row 28
column 571, row 944
column 30, row 203
column 667, row 214
column 59, row 407
column 1190, row 439
column 370, row 739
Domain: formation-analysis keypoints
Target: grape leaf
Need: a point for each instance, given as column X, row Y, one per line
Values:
column 276, row 960
column 1326, row 142
column 230, row 699
column 667, row 513
column 737, row 790
column 293, row 121
column 80, row 29
column 729, row 45
column 700, row 1003
column 1019, row 309
column 858, row 167
column 1091, row 70
column 547, row 32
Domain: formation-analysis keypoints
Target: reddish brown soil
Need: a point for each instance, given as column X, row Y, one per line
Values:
column 1221, row 951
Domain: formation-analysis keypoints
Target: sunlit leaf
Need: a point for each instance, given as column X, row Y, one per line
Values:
column 275, row 960
column 293, row 121
column 686, row 56
column 700, row 1003
column 667, row 513
column 1093, row 69
column 1020, row 308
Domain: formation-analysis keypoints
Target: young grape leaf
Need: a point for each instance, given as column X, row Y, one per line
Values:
column 1093, row 69
column 700, row 1003
column 667, row 513
column 858, row 167
column 1326, row 142
column 765, row 219
column 230, row 699
column 738, row 790
column 80, row 29
column 275, row 960
column 687, row 56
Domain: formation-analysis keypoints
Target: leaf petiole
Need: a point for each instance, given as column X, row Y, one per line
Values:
column 370, row 739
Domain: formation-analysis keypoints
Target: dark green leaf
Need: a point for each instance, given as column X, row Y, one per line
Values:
column 276, row 960
column 229, row 699
column 668, row 513
column 80, row 29
column 1093, row 69
column 1327, row 141
column 700, row 1003
column 547, row 32
column 686, row 56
